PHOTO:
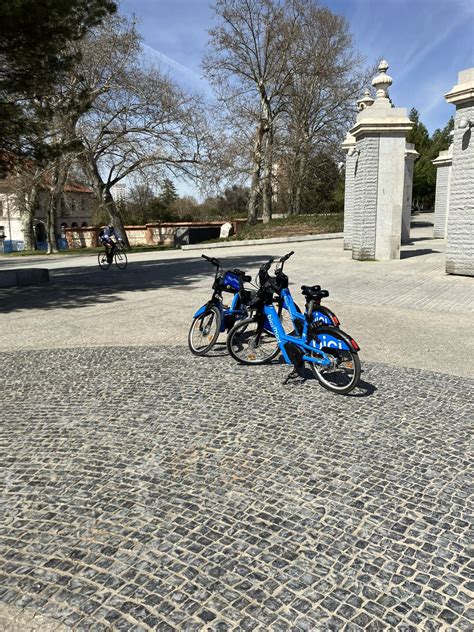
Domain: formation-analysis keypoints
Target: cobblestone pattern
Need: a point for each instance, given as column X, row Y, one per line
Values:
column 149, row 489
column 460, row 240
column 364, row 218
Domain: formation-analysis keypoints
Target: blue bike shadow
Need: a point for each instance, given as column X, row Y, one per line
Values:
column 363, row 388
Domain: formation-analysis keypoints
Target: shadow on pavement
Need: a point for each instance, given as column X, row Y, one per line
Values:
column 73, row 287
column 406, row 254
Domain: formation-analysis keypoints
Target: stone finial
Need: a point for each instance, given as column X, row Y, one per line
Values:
column 382, row 81
column 365, row 102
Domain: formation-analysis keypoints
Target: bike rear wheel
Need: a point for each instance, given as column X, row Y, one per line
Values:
column 103, row 260
column 344, row 374
column 121, row 259
column 204, row 331
column 250, row 343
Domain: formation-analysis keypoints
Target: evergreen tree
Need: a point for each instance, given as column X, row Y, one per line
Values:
column 424, row 175
column 168, row 193
column 33, row 40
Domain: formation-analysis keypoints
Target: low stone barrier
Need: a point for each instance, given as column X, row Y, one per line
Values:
column 152, row 234
column 23, row 276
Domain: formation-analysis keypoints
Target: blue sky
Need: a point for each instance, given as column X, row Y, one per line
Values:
column 426, row 42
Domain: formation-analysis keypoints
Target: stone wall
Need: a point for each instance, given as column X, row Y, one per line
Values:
column 364, row 217
column 460, row 238
column 149, row 235
column 443, row 179
column 460, row 228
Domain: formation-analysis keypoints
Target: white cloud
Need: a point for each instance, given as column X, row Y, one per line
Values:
column 182, row 74
column 431, row 45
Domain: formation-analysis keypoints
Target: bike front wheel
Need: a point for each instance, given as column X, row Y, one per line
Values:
column 121, row 259
column 344, row 373
column 204, row 331
column 250, row 343
column 103, row 260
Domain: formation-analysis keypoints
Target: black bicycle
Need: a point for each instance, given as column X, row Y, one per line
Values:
column 119, row 256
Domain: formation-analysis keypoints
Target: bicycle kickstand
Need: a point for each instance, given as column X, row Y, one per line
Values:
column 294, row 374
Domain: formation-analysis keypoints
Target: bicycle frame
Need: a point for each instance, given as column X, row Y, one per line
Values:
column 232, row 310
column 324, row 339
column 319, row 316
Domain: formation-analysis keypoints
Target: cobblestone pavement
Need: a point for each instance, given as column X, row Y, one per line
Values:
column 149, row 489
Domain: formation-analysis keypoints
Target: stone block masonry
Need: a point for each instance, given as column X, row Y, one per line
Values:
column 443, row 164
column 365, row 204
column 381, row 174
column 460, row 229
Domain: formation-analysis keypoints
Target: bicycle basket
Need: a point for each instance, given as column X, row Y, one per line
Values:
column 232, row 282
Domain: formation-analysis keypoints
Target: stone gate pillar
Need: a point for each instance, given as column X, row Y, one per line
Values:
column 460, row 228
column 410, row 156
column 443, row 181
column 351, row 158
column 380, row 132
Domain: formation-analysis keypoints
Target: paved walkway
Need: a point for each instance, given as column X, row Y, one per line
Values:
column 407, row 312
column 146, row 489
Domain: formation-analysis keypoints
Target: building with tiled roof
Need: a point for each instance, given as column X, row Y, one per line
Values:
column 76, row 210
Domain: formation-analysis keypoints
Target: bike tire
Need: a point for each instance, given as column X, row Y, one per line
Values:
column 103, row 261
column 344, row 376
column 121, row 260
column 205, row 329
column 241, row 343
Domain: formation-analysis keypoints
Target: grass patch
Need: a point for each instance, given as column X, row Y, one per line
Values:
column 291, row 226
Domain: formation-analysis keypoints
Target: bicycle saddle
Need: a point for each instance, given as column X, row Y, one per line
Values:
column 314, row 292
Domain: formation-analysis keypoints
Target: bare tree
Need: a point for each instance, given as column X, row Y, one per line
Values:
column 321, row 100
column 291, row 63
column 248, row 57
column 144, row 122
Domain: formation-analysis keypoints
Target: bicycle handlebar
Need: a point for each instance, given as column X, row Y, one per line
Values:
column 283, row 259
column 212, row 260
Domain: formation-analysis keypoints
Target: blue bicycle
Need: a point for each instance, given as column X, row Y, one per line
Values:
column 320, row 313
column 331, row 354
column 214, row 317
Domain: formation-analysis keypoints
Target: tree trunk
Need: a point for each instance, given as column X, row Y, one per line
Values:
column 26, row 219
column 267, row 192
column 114, row 216
column 104, row 196
column 299, row 184
column 27, row 214
column 256, row 173
column 58, row 180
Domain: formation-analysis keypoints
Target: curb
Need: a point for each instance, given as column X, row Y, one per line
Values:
column 263, row 242
column 23, row 276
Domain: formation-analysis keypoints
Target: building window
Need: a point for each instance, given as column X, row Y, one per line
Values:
column 84, row 225
column 74, row 225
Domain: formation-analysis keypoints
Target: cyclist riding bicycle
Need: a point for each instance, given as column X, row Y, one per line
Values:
column 109, row 238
